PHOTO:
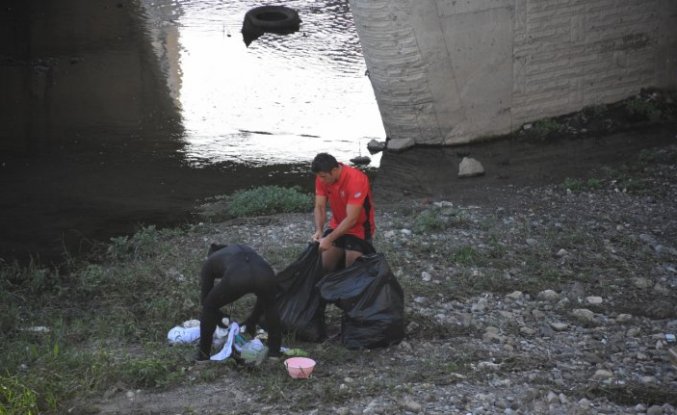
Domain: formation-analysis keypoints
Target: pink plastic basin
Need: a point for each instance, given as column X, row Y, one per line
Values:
column 299, row 367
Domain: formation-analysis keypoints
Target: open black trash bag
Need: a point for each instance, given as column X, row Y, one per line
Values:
column 372, row 302
column 298, row 301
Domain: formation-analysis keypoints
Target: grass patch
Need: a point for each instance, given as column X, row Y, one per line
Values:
column 49, row 346
column 438, row 218
column 643, row 109
column 543, row 129
column 268, row 200
column 17, row 398
column 580, row 185
column 466, row 256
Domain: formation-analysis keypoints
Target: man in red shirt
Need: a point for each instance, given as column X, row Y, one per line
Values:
column 352, row 215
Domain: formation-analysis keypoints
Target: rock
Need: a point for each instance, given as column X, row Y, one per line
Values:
column 491, row 335
column 602, row 374
column 559, row 326
column 661, row 289
column 515, row 295
column 584, row 404
column 654, row 410
column 640, row 282
column 648, row 379
column 470, row 167
column 548, row 295
column 404, row 345
column 375, row 146
column 577, row 291
column 480, row 305
column 594, row 300
column 562, row 253
column 640, row 408
column 633, row 332
column 506, row 314
column 623, row 318
column 411, row 405
column 583, row 314
column 538, row 314
column 400, row 144
column 532, row 242
column 360, row 160
column 647, row 239
column 488, row 366
column 425, row 276
column 412, row 327
column 373, row 408
column 527, row 331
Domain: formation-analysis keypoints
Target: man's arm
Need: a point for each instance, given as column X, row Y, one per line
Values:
column 320, row 214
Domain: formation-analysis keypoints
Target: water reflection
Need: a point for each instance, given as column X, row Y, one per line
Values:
column 280, row 100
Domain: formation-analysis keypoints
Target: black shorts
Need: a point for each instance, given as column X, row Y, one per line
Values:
column 352, row 243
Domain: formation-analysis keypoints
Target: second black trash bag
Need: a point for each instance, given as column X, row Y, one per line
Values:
column 372, row 302
column 299, row 303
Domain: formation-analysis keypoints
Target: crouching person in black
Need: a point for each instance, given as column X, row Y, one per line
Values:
column 241, row 271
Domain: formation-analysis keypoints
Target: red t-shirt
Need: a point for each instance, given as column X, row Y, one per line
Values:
column 352, row 188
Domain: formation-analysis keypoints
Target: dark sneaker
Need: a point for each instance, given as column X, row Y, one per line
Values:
column 201, row 357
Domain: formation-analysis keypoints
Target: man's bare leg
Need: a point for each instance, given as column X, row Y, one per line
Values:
column 331, row 258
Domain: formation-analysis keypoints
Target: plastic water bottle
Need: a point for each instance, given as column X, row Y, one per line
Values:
column 254, row 352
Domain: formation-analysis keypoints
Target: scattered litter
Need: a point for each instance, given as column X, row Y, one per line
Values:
column 38, row 329
column 179, row 335
column 189, row 332
column 294, row 352
column 254, row 352
column 233, row 330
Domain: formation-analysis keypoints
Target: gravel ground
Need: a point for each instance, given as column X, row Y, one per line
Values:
column 562, row 301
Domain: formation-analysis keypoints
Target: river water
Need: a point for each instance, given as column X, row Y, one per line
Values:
column 120, row 115
column 280, row 100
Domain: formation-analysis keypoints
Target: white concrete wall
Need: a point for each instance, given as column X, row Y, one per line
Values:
column 451, row 71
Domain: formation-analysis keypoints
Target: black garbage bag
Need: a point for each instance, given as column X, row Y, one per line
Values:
column 298, row 301
column 372, row 302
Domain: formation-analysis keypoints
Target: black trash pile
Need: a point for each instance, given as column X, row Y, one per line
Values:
column 367, row 292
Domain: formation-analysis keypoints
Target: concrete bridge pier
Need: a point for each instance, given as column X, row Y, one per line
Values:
column 453, row 71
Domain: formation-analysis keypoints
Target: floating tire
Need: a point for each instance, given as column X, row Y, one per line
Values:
column 275, row 19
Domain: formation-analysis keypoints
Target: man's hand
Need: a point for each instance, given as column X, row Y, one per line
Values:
column 316, row 236
column 325, row 244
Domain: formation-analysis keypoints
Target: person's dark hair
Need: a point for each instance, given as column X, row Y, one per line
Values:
column 323, row 163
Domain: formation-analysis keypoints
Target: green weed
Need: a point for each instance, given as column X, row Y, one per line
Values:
column 580, row 185
column 17, row 398
column 143, row 244
column 466, row 255
column 596, row 111
column 643, row 109
column 545, row 127
column 268, row 200
column 435, row 219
